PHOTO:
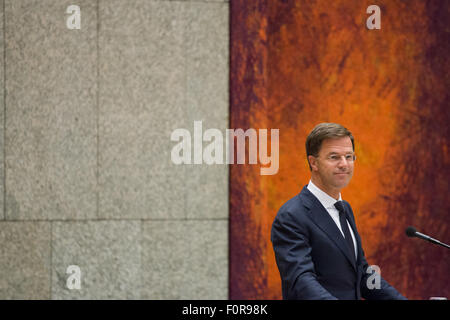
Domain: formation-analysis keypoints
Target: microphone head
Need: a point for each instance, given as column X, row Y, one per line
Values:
column 411, row 231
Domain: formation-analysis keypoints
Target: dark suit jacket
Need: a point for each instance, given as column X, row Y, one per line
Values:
column 312, row 256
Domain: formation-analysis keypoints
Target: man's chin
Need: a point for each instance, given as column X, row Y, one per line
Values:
column 342, row 184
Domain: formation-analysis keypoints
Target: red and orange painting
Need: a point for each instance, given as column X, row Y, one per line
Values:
column 297, row 63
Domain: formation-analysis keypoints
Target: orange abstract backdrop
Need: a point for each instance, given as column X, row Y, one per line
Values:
column 298, row 63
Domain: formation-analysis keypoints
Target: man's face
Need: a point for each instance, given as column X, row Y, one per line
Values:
column 334, row 164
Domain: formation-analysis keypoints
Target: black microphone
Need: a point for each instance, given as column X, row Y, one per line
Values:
column 412, row 232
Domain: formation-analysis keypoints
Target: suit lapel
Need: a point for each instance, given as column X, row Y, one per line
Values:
column 320, row 216
column 351, row 220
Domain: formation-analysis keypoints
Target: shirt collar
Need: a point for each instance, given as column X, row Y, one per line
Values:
column 326, row 200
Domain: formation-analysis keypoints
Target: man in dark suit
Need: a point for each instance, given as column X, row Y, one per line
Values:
column 317, row 246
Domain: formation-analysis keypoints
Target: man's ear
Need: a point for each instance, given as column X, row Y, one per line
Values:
column 313, row 163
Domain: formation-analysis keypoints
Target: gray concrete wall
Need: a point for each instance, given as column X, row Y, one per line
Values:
column 86, row 177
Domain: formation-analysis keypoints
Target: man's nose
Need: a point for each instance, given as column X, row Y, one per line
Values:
column 343, row 162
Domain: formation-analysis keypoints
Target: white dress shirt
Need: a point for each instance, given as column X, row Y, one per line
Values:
column 328, row 203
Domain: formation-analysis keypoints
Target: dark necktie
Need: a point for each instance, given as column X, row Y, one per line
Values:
column 342, row 219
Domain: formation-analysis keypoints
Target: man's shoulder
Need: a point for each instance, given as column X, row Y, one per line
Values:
column 295, row 206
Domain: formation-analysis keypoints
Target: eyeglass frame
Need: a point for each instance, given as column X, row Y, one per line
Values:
column 329, row 157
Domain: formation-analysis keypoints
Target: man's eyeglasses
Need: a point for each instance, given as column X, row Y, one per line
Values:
column 335, row 158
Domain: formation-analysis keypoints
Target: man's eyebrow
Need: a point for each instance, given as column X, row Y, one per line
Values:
column 334, row 152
